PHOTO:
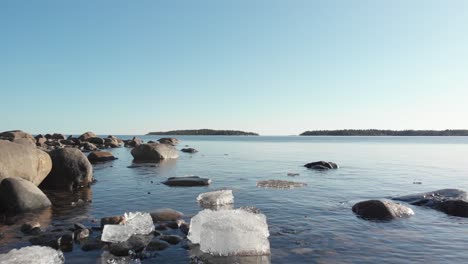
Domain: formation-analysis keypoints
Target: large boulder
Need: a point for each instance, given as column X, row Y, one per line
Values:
column 154, row 152
column 22, row 161
column 450, row 201
column 16, row 134
column 170, row 141
column 18, row 195
column 58, row 136
column 86, row 135
column 100, row 156
column 381, row 210
column 71, row 169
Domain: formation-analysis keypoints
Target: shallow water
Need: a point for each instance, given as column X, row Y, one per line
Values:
column 309, row 224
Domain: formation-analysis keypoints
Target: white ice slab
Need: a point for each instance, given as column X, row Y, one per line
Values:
column 221, row 197
column 33, row 254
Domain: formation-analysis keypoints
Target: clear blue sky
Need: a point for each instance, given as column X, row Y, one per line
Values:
column 273, row 67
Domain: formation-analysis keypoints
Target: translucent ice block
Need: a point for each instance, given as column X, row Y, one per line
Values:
column 33, row 254
column 230, row 232
column 135, row 224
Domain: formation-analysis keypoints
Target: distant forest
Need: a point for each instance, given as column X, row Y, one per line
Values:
column 377, row 132
column 204, row 132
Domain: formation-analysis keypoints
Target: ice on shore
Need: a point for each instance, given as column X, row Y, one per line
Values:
column 142, row 223
column 33, row 254
column 135, row 224
column 230, row 233
column 215, row 198
column 280, row 184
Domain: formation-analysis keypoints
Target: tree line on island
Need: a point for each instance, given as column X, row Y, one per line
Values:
column 204, row 132
column 378, row 132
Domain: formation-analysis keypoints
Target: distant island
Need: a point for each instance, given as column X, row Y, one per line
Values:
column 378, row 132
column 204, row 132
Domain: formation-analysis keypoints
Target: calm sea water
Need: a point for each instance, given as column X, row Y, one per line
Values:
column 312, row 224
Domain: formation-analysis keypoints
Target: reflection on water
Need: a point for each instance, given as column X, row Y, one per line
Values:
column 198, row 256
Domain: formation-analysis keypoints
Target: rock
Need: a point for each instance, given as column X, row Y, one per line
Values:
column 165, row 214
column 17, row 134
column 381, row 210
column 91, row 244
column 111, row 142
column 86, row 135
column 187, row 181
column 154, row 152
column 134, row 142
column 112, row 220
column 280, row 184
column 321, row 165
column 100, row 156
column 82, row 234
column 88, row 146
column 135, row 243
column 170, row 141
column 40, row 140
column 57, row 136
column 171, row 239
column 31, row 228
column 184, row 228
column 33, row 254
column 450, row 201
column 96, row 140
column 189, row 150
column 62, row 241
column 25, row 142
column 71, row 170
column 18, row 195
column 67, row 142
column 22, row 161
column 157, row 245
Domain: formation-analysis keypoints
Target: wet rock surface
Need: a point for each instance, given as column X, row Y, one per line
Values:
column 450, row 201
column 187, row 181
column 381, row 210
column 321, row 165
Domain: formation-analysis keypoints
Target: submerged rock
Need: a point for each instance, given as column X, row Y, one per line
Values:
column 321, row 165
column 187, row 181
column 71, row 170
column 136, row 243
column 100, row 156
column 154, row 152
column 23, row 161
column 450, row 201
column 381, row 210
column 33, row 254
column 280, row 184
column 19, row 195
column 189, row 150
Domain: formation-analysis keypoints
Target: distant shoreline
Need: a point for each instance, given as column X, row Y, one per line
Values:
column 203, row 132
column 378, row 132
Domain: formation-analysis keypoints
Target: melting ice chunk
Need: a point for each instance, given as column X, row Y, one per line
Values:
column 135, row 224
column 116, row 233
column 221, row 197
column 142, row 223
column 230, row 232
column 36, row 254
